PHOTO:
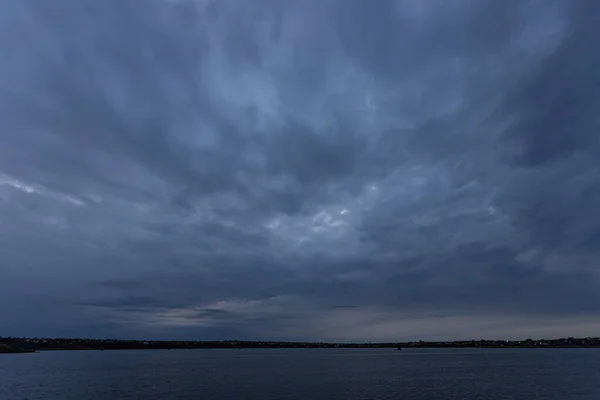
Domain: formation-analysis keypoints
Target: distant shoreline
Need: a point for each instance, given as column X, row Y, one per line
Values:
column 14, row 350
column 11, row 345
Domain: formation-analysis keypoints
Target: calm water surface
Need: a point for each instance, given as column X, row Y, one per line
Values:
column 304, row 374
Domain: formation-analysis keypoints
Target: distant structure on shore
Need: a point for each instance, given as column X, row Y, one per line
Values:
column 16, row 345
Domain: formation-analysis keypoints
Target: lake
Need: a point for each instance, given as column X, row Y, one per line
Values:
column 303, row 374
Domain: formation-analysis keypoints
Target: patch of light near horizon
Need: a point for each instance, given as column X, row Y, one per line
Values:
column 178, row 317
column 366, row 324
column 195, row 315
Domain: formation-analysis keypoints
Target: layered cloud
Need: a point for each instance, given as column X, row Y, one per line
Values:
column 332, row 170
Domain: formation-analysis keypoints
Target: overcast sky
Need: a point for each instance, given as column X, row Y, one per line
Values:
column 300, row 169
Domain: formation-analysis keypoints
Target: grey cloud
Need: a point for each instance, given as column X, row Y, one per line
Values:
column 557, row 100
column 393, row 38
column 297, row 170
column 119, row 284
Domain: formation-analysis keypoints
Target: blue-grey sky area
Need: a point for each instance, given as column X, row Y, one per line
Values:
column 329, row 170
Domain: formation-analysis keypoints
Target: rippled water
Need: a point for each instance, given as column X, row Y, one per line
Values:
column 305, row 374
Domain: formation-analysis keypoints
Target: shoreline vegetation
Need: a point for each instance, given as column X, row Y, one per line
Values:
column 30, row 345
column 8, row 349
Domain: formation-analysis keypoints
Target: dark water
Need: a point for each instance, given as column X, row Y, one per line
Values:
column 303, row 374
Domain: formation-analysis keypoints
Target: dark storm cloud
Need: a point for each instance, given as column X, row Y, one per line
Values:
column 299, row 170
column 556, row 101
